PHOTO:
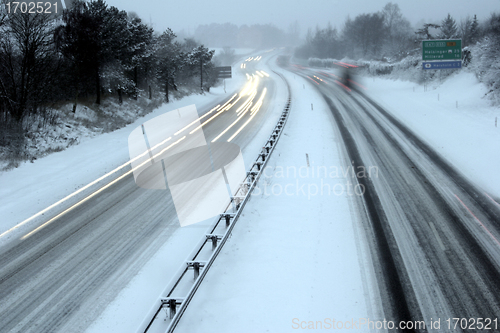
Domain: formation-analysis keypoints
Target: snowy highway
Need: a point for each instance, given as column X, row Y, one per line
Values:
column 434, row 235
column 246, row 167
column 60, row 274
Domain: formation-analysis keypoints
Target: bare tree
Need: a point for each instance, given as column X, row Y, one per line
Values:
column 398, row 30
column 27, row 63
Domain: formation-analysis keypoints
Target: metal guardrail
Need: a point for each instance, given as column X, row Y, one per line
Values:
column 218, row 236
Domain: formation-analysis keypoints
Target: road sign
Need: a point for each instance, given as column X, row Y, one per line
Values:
column 223, row 72
column 443, row 49
column 442, row 64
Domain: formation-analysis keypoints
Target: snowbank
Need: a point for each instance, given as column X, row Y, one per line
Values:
column 454, row 118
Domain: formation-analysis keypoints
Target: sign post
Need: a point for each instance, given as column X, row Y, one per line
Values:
column 442, row 54
column 224, row 73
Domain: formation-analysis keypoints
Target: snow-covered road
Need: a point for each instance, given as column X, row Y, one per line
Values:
column 434, row 234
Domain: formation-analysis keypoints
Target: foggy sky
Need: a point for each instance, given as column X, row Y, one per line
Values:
column 188, row 14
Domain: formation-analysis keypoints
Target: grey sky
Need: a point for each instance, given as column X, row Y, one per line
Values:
column 188, row 14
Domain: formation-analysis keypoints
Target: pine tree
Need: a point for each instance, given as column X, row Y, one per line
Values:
column 449, row 28
column 474, row 31
column 94, row 36
column 170, row 59
column 201, row 58
column 139, row 49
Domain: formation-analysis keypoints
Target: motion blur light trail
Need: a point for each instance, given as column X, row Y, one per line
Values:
column 257, row 108
column 101, row 189
column 197, row 120
column 82, row 189
column 343, row 85
column 310, row 78
column 496, row 203
column 234, row 123
column 475, row 217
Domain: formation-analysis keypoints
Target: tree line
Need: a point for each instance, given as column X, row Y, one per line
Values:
column 386, row 34
column 90, row 51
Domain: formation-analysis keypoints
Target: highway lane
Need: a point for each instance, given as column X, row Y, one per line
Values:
column 61, row 277
column 434, row 235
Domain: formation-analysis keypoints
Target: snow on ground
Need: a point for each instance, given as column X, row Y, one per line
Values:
column 292, row 260
column 465, row 135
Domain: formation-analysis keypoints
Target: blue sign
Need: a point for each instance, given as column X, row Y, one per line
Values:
column 442, row 64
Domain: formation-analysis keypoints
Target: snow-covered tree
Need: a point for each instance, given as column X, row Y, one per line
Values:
column 140, row 39
column 170, row 59
column 425, row 32
column 474, row 30
column 486, row 57
column 365, row 35
column 200, row 59
column 465, row 30
column 325, row 43
column 448, row 28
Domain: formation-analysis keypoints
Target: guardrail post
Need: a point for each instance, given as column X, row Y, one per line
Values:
column 172, row 305
column 228, row 216
column 215, row 239
column 196, row 267
column 252, row 175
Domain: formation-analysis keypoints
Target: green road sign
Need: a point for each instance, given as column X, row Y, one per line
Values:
column 445, row 49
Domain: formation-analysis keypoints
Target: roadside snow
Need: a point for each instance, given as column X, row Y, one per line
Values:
column 292, row 259
column 454, row 118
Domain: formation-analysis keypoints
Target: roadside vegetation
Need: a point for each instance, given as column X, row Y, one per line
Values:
column 91, row 70
column 385, row 44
